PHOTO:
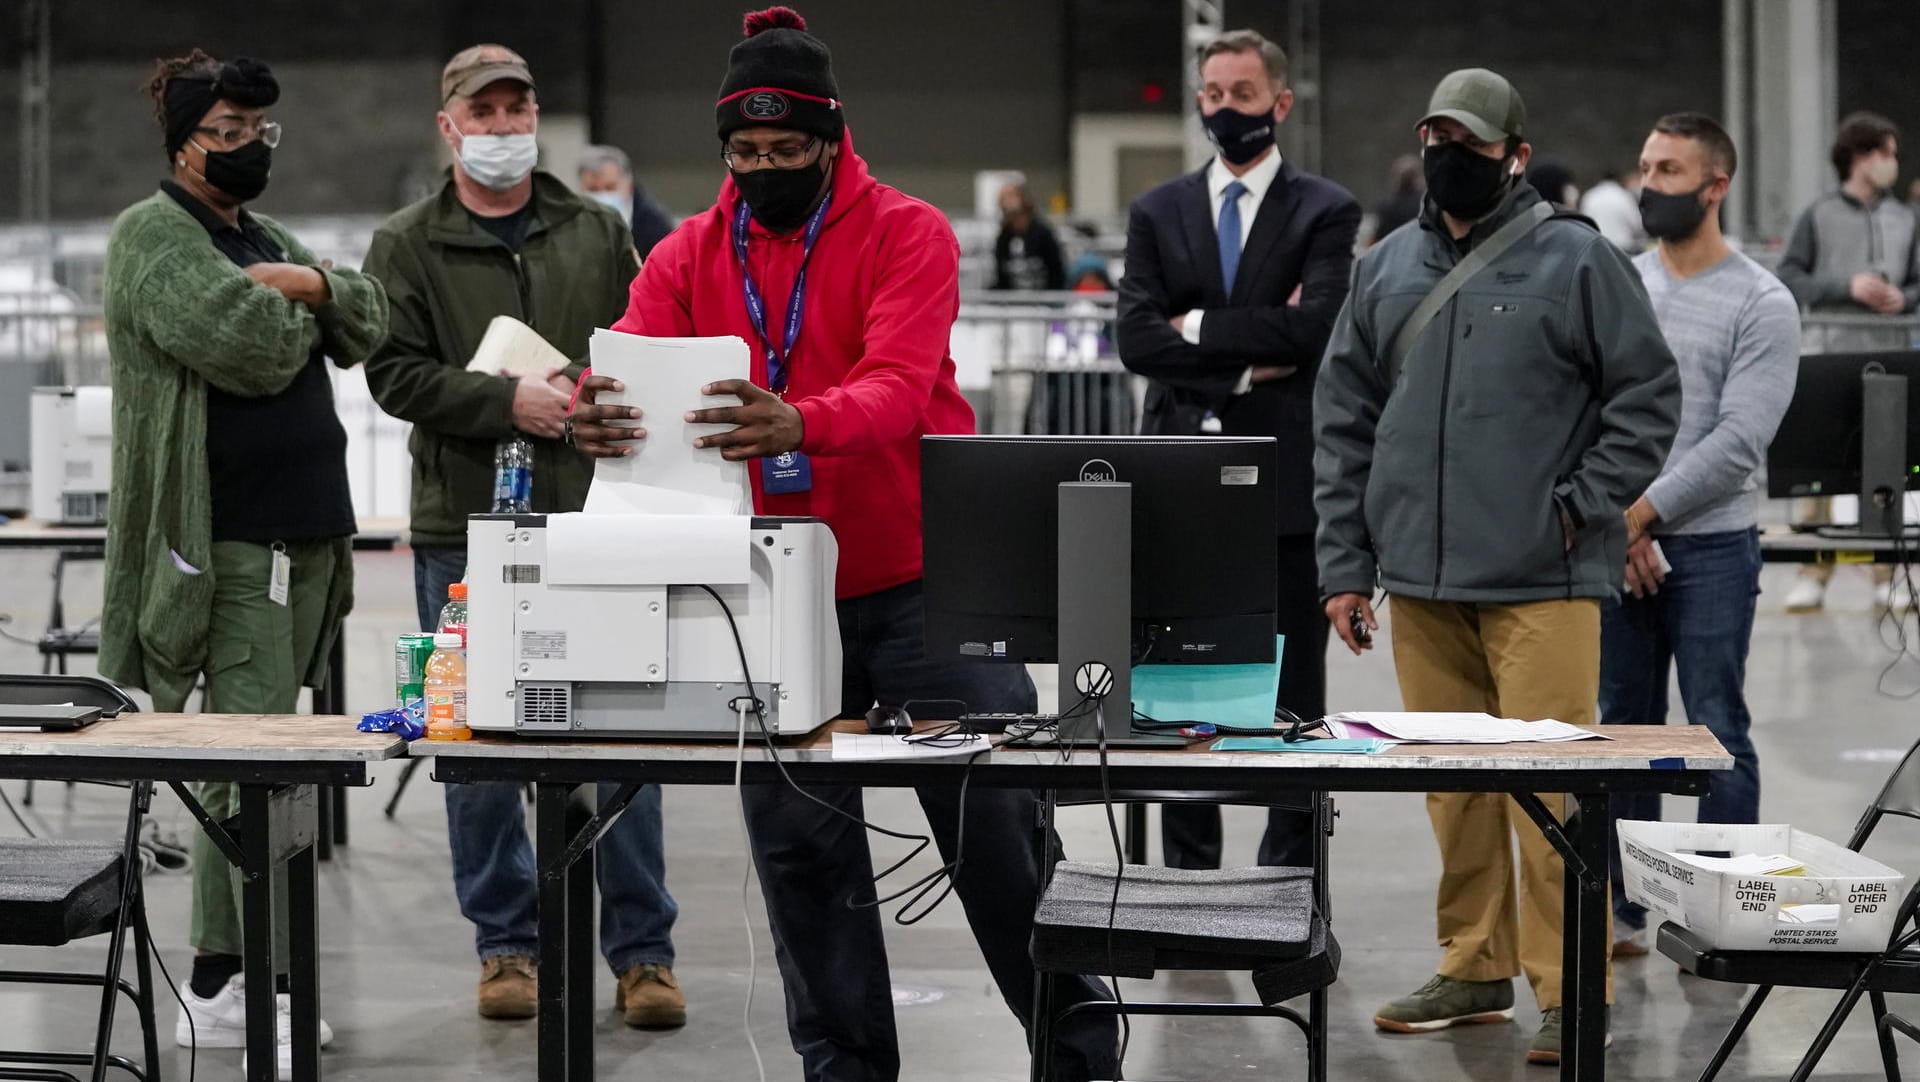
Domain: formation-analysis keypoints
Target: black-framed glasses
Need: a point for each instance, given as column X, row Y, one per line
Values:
column 232, row 136
column 781, row 157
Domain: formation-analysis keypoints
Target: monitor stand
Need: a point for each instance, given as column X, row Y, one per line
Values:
column 1883, row 452
column 1095, row 641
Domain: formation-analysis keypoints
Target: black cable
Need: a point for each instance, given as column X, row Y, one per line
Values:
column 1113, row 904
column 1902, row 645
column 921, row 841
column 193, row 1031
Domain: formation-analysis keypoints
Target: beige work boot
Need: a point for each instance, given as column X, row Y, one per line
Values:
column 509, row 987
column 651, row 998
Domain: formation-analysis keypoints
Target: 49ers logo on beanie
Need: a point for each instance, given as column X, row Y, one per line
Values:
column 763, row 106
column 780, row 77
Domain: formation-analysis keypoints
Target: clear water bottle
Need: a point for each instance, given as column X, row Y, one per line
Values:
column 513, row 477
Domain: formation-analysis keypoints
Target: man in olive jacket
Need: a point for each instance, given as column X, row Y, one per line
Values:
column 1485, row 490
column 498, row 239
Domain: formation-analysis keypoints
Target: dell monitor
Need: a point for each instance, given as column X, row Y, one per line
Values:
column 1853, row 427
column 1168, row 547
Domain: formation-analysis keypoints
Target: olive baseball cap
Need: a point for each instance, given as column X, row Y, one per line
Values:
column 474, row 68
column 1482, row 100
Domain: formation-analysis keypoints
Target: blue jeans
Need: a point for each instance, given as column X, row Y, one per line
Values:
column 493, row 868
column 1700, row 622
column 832, row 958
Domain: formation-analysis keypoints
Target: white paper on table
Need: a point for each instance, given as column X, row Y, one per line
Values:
column 852, row 747
column 512, row 347
column 666, row 474
column 1439, row 727
column 648, row 550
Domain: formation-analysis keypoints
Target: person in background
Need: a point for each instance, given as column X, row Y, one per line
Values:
column 606, row 175
column 1854, row 251
column 1553, row 178
column 832, row 418
column 1234, row 275
column 229, row 549
column 1089, row 275
column 1402, row 204
column 1693, row 543
column 1481, row 481
column 503, row 238
column 1614, row 206
column 1026, row 254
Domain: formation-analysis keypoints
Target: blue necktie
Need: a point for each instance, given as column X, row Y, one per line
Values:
column 1230, row 233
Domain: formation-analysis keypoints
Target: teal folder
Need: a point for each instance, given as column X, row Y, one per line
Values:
column 1241, row 696
column 1323, row 747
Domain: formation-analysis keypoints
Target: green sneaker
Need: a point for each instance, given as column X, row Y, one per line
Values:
column 1444, row 1001
column 1546, row 1043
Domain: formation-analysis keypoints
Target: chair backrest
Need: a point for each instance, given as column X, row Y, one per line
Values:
column 32, row 689
column 1899, row 796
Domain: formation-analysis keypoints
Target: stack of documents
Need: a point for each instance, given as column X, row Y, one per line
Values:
column 512, row 347
column 1443, row 728
column 1749, row 864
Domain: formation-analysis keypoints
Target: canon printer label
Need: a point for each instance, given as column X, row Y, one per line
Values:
column 1239, row 475
column 543, row 646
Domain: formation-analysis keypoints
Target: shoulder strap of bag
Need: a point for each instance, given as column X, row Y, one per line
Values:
column 1471, row 264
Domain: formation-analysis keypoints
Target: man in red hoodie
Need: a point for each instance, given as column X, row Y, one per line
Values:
column 849, row 292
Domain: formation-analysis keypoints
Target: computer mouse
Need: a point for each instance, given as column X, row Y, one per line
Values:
column 889, row 720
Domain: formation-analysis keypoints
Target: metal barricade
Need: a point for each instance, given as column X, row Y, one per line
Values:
column 1045, row 364
column 1847, row 332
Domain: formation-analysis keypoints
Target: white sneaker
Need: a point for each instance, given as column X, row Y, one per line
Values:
column 1807, row 595
column 1885, row 592
column 221, row 1022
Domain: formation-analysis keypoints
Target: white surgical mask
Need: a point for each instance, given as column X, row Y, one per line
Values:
column 498, row 161
column 1884, row 172
column 614, row 200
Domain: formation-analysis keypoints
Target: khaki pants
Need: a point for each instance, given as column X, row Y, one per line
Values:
column 1532, row 661
column 258, row 651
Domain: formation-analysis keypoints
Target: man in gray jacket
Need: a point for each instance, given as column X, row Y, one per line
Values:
column 1483, row 486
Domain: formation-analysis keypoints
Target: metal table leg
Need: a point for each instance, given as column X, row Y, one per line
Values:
column 256, row 929
column 550, row 840
column 303, row 961
column 580, row 967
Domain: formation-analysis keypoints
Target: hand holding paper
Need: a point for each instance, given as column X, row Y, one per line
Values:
column 668, row 473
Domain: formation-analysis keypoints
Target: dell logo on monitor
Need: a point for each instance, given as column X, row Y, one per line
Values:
column 1098, row 471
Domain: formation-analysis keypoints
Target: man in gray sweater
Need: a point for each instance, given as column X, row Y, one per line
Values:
column 1693, row 551
column 1482, row 484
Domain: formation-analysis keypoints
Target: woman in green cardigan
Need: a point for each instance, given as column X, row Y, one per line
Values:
column 228, row 546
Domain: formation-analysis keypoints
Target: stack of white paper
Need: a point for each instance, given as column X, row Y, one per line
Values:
column 1450, row 728
column 1749, row 864
column 666, row 474
column 513, row 348
column 855, row 747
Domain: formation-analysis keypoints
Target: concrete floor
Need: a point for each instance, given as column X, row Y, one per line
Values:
column 397, row 969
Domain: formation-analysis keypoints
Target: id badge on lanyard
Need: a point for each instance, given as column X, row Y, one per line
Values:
column 791, row 471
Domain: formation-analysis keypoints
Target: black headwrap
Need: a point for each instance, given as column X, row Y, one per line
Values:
column 245, row 82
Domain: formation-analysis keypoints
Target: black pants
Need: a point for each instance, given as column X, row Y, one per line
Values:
column 1190, row 833
column 833, row 960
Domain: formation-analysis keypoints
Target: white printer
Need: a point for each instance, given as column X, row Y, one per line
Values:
column 598, row 624
column 72, row 454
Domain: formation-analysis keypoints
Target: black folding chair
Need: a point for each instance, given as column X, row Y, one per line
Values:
column 1873, row 974
column 54, row 891
column 1275, row 923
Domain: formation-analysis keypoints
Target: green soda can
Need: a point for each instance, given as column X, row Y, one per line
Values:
column 410, row 656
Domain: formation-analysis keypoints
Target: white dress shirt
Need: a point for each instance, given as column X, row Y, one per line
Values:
column 1256, row 181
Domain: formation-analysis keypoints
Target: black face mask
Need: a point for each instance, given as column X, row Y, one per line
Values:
column 1464, row 182
column 1672, row 216
column 1240, row 136
column 240, row 173
column 781, row 198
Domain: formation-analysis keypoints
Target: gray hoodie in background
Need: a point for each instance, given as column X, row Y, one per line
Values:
column 1543, row 385
column 1837, row 237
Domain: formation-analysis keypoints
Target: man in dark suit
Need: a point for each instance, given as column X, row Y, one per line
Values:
column 1234, row 276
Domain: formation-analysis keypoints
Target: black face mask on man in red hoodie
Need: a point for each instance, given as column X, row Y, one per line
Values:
column 781, row 199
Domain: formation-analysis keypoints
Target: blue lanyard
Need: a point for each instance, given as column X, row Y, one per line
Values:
column 757, row 305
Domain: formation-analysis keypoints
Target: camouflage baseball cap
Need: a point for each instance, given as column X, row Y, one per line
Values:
column 1482, row 100
column 476, row 67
